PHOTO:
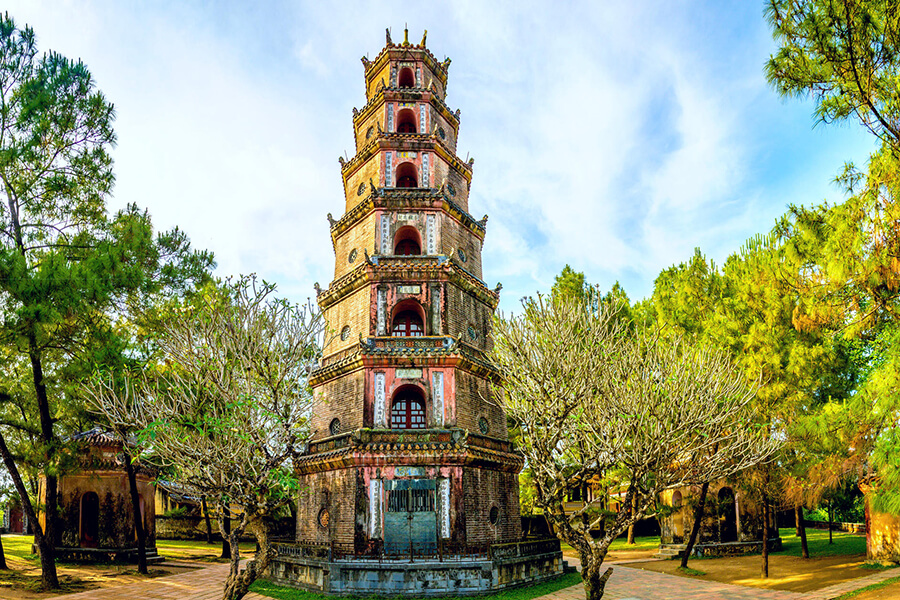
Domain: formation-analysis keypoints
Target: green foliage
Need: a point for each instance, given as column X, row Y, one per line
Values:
column 845, row 544
column 843, row 53
column 571, row 284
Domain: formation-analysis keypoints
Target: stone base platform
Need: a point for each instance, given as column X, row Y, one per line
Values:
column 451, row 576
column 672, row 551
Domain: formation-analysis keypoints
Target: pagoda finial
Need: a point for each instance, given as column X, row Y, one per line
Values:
column 424, row 35
column 406, row 35
column 387, row 36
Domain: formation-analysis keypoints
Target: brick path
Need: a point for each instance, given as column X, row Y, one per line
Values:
column 202, row 584
column 625, row 584
column 635, row 584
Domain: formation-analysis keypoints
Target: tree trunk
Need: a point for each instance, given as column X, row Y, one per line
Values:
column 594, row 581
column 801, row 531
column 48, row 565
column 3, row 565
column 631, row 527
column 238, row 582
column 225, row 530
column 47, row 541
column 695, row 527
column 205, row 509
column 136, row 512
column 765, row 542
column 830, row 519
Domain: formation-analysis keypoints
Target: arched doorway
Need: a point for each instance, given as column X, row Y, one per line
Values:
column 408, row 408
column 727, row 515
column 407, row 78
column 677, row 517
column 406, row 121
column 407, row 175
column 90, row 520
column 406, row 241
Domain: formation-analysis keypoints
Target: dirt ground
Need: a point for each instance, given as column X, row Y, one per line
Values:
column 788, row 573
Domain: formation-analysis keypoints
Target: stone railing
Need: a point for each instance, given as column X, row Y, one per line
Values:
column 526, row 548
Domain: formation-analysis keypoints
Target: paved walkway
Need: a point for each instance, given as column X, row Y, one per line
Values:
column 202, row 584
column 625, row 584
column 635, row 584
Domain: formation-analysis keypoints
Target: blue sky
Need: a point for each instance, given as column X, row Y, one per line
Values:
column 615, row 136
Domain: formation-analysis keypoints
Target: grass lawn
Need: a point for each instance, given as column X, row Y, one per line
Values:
column 620, row 545
column 524, row 593
column 844, row 560
column 889, row 588
column 845, row 544
column 197, row 550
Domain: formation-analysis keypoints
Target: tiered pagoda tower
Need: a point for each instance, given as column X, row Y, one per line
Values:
column 410, row 453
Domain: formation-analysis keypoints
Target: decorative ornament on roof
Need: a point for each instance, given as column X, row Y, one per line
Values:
column 483, row 222
column 318, row 289
column 498, row 288
column 331, row 220
column 387, row 36
column 405, row 36
column 341, row 160
column 424, row 35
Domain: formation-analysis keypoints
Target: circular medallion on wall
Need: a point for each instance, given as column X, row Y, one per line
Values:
column 494, row 515
column 483, row 426
column 442, row 133
column 335, row 426
column 462, row 255
column 325, row 518
column 370, row 132
column 345, row 333
column 451, row 189
column 361, row 189
column 473, row 335
column 352, row 256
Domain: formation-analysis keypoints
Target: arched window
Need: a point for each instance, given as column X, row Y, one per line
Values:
column 408, row 319
column 406, row 175
column 407, row 241
column 407, row 78
column 406, row 121
column 407, row 324
column 90, row 520
column 408, row 409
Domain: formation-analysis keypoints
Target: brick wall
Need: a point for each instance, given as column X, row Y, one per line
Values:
column 472, row 393
column 340, row 398
column 483, row 490
column 464, row 309
column 334, row 491
column 353, row 310
column 360, row 237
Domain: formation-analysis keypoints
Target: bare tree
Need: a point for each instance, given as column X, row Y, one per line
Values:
column 596, row 398
column 227, row 409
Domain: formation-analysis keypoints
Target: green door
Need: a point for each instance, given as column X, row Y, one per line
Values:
column 410, row 518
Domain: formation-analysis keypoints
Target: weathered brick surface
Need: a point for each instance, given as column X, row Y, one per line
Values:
column 473, row 401
column 352, row 311
column 342, row 399
column 484, row 490
column 334, row 491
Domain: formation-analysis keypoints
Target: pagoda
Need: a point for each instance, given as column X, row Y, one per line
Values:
column 410, row 457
